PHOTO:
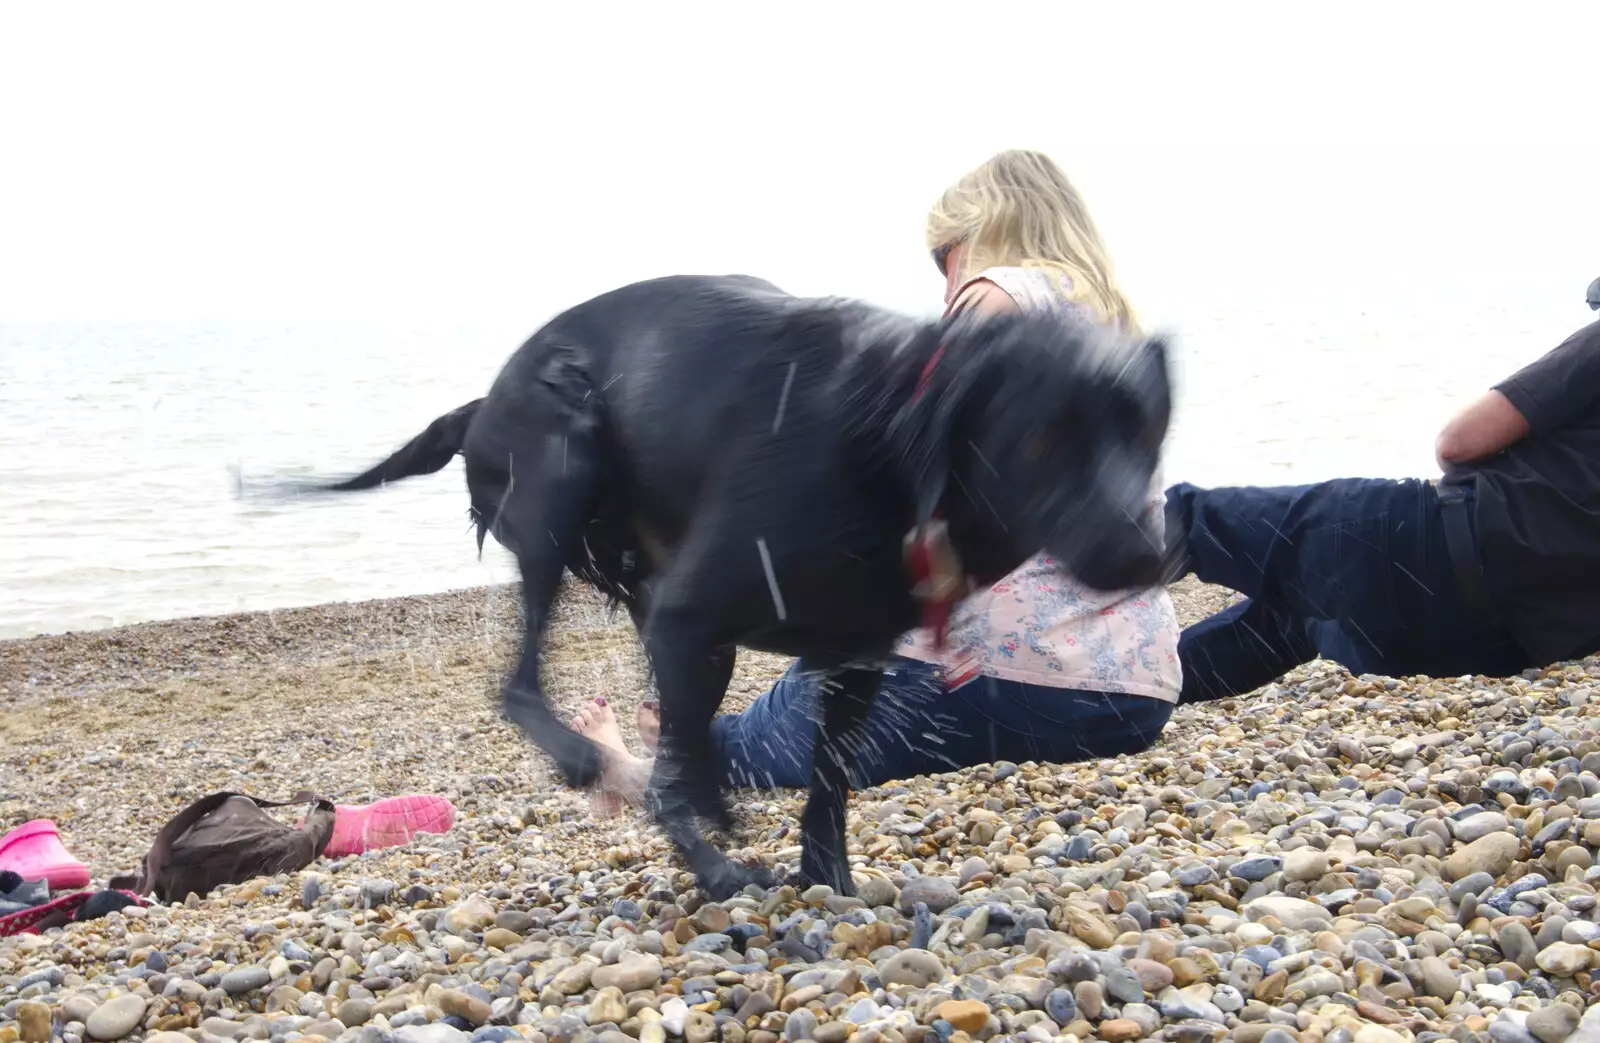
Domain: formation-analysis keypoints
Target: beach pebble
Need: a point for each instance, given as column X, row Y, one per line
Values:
column 1334, row 859
column 968, row 1016
column 430, row 1033
column 1305, row 864
column 1296, row 914
column 1120, row 1030
column 915, row 967
column 1439, row 979
column 1553, row 1023
column 1090, row 998
column 33, row 1022
column 245, row 979
column 1564, row 959
column 1517, row 944
column 115, row 1018
column 1492, row 854
column 634, row 971
column 938, row 893
column 1475, row 827
column 1256, row 867
column 801, row 1024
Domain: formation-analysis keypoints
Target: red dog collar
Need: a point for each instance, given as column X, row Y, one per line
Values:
column 927, row 372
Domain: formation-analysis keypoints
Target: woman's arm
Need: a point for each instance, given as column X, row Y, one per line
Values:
column 1483, row 429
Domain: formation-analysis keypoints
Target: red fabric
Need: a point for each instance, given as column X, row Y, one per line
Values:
column 935, row 611
column 937, row 578
column 927, row 372
column 53, row 913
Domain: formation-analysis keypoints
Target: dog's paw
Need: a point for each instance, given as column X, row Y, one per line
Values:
column 761, row 877
column 711, row 808
column 720, row 821
column 730, row 878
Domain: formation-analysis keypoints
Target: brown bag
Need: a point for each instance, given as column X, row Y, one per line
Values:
column 225, row 838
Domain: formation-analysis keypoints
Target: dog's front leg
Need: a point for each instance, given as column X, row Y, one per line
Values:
column 845, row 698
column 692, row 677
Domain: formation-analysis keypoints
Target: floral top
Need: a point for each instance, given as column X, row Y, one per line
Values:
column 1037, row 625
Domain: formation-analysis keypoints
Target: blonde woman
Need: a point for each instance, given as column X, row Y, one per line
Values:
column 1037, row 667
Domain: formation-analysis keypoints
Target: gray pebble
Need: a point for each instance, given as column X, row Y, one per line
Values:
column 801, row 1024
column 1471, row 884
column 1255, row 867
column 1502, row 1030
column 1123, row 986
column 244, row 979
column 938, row 893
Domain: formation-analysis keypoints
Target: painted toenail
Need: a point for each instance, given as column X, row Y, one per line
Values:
column 599, row 700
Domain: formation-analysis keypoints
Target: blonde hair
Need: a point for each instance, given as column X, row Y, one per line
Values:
column 1018, row 209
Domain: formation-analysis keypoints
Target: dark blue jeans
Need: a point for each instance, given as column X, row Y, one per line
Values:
column 915, row 727
column 1355, row 570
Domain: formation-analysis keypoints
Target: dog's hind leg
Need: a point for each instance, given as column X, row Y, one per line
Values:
column 692, row 676
column 845, row 699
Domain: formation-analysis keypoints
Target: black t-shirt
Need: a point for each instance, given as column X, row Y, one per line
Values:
column 1538, row 505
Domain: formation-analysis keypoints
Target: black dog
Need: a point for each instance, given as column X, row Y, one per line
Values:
column 738, row 466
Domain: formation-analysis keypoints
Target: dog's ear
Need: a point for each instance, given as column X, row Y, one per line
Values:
column 1149, row 360
column 1147, row 376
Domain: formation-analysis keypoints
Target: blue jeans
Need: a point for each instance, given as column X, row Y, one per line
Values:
column 915, row 727
column 1355, row 570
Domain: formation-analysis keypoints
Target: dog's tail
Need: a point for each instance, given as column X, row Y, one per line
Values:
column 430, row 451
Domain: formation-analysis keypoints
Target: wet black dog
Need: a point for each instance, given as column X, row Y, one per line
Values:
column 739, row 466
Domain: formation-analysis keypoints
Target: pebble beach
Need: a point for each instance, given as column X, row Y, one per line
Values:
column 1333, row 859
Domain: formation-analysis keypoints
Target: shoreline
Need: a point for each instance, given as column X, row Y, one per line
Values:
column 141, row 652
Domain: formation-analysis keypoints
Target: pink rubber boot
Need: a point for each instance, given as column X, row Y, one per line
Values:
column 34, row 852
column 387, row 823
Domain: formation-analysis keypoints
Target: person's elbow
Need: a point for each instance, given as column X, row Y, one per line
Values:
column 1488, row 426
column 1455, row 448
column 1451, row 449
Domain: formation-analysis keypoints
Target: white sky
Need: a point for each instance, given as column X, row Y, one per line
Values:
column 396, row 161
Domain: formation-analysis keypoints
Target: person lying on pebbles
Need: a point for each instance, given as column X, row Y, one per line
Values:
column 1489, row 570
column 1037, row 667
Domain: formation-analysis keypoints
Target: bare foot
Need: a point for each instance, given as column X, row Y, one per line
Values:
column 622, row 775
column 649, row 716
column 598, row 723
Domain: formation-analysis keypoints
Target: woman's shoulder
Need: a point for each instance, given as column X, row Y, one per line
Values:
column 1028, row 287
